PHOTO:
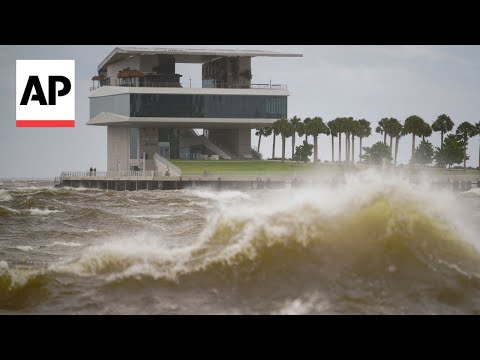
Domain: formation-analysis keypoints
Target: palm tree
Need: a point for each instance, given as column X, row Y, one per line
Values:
column 466, row 131
column 267, row 131
column 364, row 131
column 477, row 125
column 395, row 130
column 381, row 129
column 391, row 128
column 355, row 131
column 426, row 131
column 315, row 127
column 333, row 132
column 302, row 130
column 286, row 130
column 414, row 125
column 294, row 121
column 348, row 129
column 305, row 122
column 340, row 125
column 443, row 124
column 259, row 133
column 276, row 131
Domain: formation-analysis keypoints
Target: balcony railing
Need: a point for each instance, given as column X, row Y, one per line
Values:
column 149, row 84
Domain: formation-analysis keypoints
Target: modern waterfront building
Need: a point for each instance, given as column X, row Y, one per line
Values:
column 152, row 115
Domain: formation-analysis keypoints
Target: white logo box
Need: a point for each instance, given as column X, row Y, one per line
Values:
column 62, row 114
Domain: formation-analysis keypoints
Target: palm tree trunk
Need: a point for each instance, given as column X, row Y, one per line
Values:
column 361, row 138
column 315, row 150
column 441, row 139
column 283, row 148
column 349, row 147
column 293, row 145
column 413, row 144
column 259, row 139
column 465, row 158
column 397, row 139
column 333, row 150
column 339, row 147
column 346, row 147
column 273, row 148
column 385, row 138
column 391, row 148
column 353, row 149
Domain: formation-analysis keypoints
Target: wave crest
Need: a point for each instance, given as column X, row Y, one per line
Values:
column 373, row 231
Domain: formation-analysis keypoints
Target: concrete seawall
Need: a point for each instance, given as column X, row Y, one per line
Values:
column 239, row 182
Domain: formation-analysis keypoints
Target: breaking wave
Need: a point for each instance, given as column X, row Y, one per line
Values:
column 375, row 240
column 6, row 211
column 5, row 196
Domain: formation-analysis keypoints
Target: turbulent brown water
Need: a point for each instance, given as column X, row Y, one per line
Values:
column 374, row 244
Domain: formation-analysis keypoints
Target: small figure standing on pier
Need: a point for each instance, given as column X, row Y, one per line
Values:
column 167, row 173
column 94, row 171
column 91, row 170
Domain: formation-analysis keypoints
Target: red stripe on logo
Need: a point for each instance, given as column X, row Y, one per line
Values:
column 45, row 123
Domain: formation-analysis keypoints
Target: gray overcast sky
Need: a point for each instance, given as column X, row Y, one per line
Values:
column 368, row 82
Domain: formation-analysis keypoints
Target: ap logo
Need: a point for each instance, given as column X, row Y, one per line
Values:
column 45, row 93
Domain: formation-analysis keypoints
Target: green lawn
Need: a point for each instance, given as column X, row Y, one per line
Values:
column 194, row 167
column 262, row 167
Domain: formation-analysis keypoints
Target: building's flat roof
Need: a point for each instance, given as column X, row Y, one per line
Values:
column 188, row 55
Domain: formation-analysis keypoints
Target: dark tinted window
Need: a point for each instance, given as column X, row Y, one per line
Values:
column 208, row 106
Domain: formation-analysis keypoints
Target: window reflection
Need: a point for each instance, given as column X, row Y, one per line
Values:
column 208, row 106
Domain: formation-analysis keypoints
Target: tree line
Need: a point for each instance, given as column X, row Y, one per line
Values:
column 452, row 149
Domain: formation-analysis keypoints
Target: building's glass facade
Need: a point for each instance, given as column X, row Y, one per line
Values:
column 117, row 104
column 208, row 106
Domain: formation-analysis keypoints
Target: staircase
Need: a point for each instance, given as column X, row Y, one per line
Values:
column 202, row 140
column 161, row 164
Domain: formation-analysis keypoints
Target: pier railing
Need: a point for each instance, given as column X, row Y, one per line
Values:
column 215, row 85
column 93, row 174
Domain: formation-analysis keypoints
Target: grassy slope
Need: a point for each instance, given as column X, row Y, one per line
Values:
column 199, row 166
column 194, row 167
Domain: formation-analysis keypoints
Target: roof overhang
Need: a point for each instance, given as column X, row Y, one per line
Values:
column 110, row 119
column 190, row 56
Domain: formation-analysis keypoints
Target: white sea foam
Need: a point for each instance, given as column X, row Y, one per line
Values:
column 150, row 216
column 10, row 209
column 42, row 212
column 204, row 204
column 24, row 247
column 219, row 195
column 5, row 196
column 61, row 243
column 475, row 191
column 3, row 266
column 312, row 303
